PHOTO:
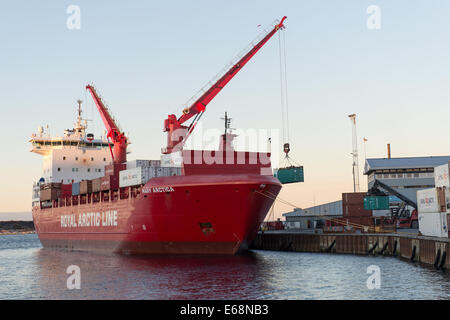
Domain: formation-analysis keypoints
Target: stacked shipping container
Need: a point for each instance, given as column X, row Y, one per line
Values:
column 141, row 175
column 116, row 176
column 111, row 179
column 50, row 191
column 353, row 209
column 434, row 205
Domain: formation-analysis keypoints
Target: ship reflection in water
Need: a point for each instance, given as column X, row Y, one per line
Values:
column 27, row 271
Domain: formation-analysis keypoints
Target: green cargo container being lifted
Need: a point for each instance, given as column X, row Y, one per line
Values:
column 376, row 203
column 290, row 175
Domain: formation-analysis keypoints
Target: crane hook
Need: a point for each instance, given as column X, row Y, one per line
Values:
column 286, row 148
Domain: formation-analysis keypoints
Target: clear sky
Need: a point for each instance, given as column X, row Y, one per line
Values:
column 147, row 58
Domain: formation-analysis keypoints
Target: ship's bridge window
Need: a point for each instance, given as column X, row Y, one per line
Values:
column 47, row 143
column 73, row 143
column 56, row 143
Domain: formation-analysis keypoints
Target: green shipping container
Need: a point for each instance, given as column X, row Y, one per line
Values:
column 290, row 175
column 376, row 203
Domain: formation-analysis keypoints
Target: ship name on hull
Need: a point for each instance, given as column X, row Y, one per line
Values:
column 157, row 189
column 90, row 219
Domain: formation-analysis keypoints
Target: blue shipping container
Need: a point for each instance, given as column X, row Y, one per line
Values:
column 76, row 189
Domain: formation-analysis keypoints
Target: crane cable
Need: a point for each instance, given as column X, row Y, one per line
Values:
column 282, row 99
column 287, row 161
column 286, row 85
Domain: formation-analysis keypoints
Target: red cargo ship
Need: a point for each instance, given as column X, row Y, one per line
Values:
column 189, row 202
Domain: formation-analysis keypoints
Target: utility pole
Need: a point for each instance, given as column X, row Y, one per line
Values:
column 355, row 154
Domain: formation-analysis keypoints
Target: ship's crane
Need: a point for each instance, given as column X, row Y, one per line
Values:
column 177, row 133
column 118, row 138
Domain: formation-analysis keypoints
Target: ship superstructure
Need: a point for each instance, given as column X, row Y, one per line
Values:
column 73, row 157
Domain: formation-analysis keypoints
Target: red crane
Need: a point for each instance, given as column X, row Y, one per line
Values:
column 177, row 133
column 120, row 141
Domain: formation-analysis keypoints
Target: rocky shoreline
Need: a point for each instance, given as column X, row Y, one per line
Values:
column 16, row 227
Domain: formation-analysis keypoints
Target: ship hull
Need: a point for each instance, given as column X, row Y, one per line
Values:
column 198, row 214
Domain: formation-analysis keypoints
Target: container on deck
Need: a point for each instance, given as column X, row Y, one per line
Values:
column 110, row 182
column 376, row 203
column 66, row 190
column 86, row 186
column 143, row 163
column 96, row 185
column 114, row 169
column 75, row 188
column 50, row 194
column 290, row 175
column 52, row 185
column 136, row 176
column 167, row 171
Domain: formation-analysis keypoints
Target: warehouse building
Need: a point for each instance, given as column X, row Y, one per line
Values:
column 313, row 217
column 405, row 175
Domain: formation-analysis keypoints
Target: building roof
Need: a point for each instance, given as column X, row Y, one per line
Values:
column 404, row 163
column 327, row 209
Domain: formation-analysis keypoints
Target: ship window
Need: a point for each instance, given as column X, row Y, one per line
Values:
column 89, row 170
column 76, row 158
column 92, row 159
column 104, row 159
column 73, row 169
column 64, row 158
column 59, row 169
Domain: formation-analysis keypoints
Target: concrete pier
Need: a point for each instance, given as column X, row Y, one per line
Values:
column 426, row 250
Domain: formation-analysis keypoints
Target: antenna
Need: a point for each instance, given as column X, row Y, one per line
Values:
column 355, row 154
column 227, row 122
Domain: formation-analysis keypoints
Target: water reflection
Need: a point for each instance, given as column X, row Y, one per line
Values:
column 29, row 272
column 152, row 277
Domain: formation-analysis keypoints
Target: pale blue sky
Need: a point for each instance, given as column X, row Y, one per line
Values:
column 147, row 58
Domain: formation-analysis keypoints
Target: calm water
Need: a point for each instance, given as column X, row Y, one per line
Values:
column 27, row 271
